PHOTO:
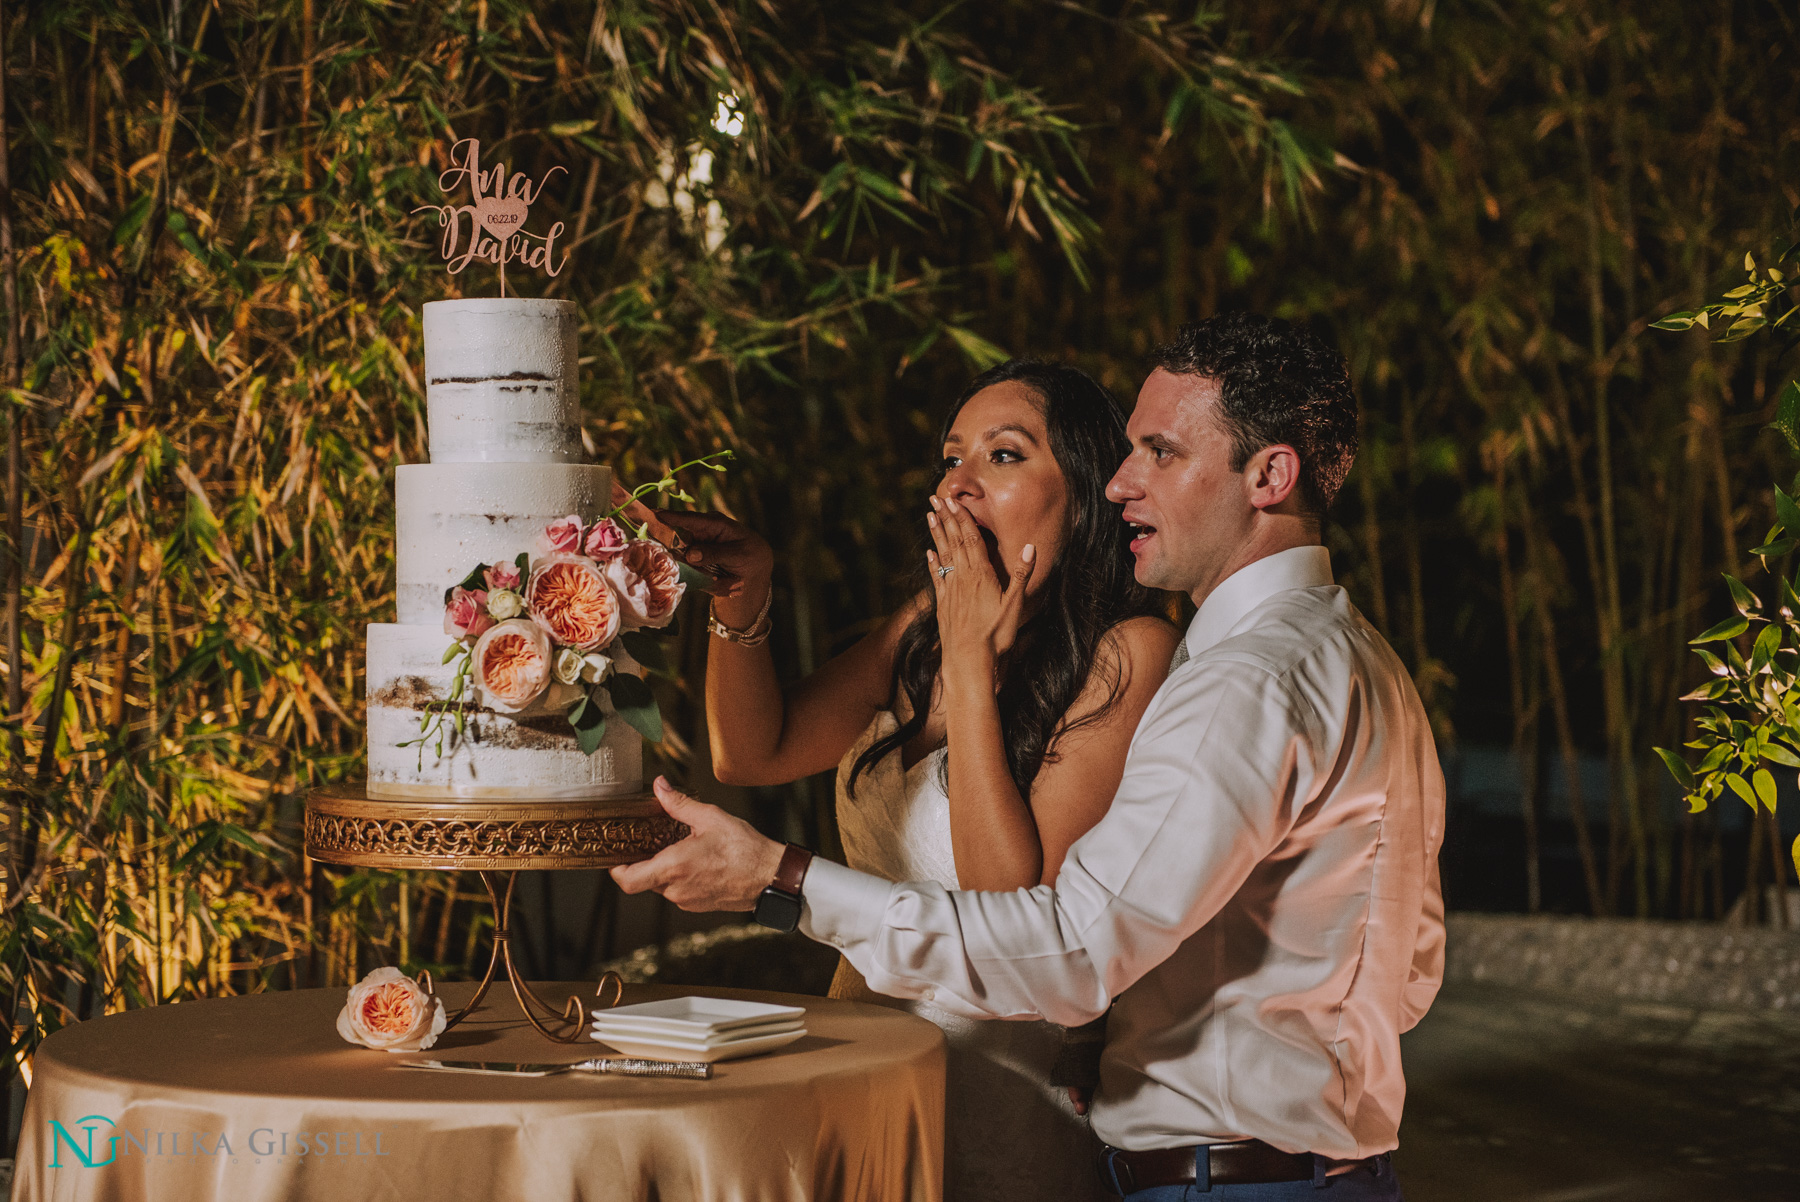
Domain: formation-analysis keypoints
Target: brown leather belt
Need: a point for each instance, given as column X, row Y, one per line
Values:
column 1250, row 1162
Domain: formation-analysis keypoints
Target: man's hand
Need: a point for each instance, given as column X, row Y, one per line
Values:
column 723, row 865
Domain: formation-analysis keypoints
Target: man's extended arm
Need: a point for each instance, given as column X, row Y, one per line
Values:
column 1218, row 770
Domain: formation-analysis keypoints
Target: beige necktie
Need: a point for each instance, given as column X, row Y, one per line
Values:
column 1181, row 655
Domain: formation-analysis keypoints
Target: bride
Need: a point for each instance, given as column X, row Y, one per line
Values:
column 980, row 730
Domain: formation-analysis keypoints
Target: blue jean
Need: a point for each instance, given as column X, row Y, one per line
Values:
column 1374, row 1181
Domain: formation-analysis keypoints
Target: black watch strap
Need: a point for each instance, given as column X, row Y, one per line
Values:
column 779, row 905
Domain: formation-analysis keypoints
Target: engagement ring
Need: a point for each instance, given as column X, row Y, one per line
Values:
column 946, row 570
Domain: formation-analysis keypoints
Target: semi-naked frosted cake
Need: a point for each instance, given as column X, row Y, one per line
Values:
column 505, row 445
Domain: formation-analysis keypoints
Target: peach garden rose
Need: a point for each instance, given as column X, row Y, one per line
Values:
column 511, row 665
column 388, row 1010
column 571, row 600
column 648, row 581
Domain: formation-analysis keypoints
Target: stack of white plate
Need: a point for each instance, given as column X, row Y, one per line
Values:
column 698, row 1028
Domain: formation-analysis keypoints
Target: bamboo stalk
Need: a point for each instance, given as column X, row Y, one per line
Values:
column 1524, row 712
column 18, row 805
column 1559, row 709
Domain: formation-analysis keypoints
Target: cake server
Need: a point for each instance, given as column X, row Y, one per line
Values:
column 623, row 1065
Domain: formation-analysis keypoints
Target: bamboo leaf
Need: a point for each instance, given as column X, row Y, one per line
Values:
column 1767, row 643
column 1742, row 788
column 1787, row 423
column 1730, row 628
column 1742, row 597
column 1764, row 782
column 1678, row 767
column 1781, row 755
column 1714, row 759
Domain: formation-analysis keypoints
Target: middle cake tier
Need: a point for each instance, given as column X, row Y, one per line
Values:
column 532, row 754
column 448, row 517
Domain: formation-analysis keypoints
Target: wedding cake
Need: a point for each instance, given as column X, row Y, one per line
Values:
column 504, row 426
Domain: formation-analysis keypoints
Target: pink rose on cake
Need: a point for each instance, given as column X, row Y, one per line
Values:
column 388, row 1010
column 564, row 535
column 512, row 665
column 649, row 584
column 569, row 598
column 502, row 576
column 466, row 614
column 605, row 539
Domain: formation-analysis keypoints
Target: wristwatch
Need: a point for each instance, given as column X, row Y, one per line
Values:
column 779, row 905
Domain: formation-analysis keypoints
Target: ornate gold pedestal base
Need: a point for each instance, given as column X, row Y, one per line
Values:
column 573, row 1019
column 344, row 825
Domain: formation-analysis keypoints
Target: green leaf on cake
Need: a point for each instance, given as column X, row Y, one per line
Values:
column 475, row 579
column 522, row 561
column 645, row 649
column 588, row 717
column 693, row 577
column 634, row 702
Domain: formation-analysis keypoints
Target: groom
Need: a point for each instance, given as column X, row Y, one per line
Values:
column 1260, row 906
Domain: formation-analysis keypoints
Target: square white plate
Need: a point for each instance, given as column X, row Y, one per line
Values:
column 661, row 1050
column 605, row 1030
column 697, row 1015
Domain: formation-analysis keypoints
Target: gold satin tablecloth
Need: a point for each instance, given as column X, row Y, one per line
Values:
column 255, row 1099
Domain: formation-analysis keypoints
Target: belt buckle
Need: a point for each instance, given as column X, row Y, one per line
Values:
column 1121, row 1187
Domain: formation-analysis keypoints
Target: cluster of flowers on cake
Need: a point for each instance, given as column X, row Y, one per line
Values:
column 552, row 630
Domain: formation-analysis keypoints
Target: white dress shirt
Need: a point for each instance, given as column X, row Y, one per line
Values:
column 1260, row 907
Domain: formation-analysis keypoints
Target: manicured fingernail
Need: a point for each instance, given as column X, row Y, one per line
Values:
column 951, row 502
column 693, row 557
column 935, row 503
column 1029, row 553
column 931, row 520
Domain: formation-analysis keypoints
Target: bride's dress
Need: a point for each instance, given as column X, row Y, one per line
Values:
column 1008, row 1133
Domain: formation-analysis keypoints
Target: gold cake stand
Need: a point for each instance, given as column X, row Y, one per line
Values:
column 347, row 825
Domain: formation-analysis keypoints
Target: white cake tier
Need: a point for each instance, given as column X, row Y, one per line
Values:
column 502, row 382
column 532, row 754
column 451, row 516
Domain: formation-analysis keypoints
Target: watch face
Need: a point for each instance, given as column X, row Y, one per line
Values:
column 778, row 910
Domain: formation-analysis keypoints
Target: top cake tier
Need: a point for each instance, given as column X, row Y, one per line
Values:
column 502, row 381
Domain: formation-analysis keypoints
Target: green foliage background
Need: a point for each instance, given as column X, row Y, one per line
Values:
column 218, row 281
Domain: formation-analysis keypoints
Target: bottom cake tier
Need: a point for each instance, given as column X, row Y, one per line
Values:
column 533, row 754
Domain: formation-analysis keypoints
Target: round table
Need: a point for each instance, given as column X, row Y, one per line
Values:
column 256, row 1098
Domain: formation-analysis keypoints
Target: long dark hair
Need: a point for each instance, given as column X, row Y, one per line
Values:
column 1089, row 590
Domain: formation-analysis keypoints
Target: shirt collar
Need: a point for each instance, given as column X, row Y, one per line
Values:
column 1248, row 587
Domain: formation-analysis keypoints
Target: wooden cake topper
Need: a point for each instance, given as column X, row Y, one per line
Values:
column 498, row 204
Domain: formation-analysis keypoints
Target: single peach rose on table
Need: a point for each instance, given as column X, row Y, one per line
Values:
column 512, row 665
column 564, row 535
column 389, row 1011
column 648, row 581
column 572, row 602
column 466, row 614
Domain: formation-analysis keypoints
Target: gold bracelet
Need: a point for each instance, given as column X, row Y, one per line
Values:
column 753, row 635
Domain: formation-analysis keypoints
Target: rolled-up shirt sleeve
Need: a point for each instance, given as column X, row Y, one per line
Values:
column 1221, row 763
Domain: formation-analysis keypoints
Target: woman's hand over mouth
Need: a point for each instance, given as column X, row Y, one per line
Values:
column 977, row 610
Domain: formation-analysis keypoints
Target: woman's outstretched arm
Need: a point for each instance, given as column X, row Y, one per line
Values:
column 999, row 840
column 761, row 736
